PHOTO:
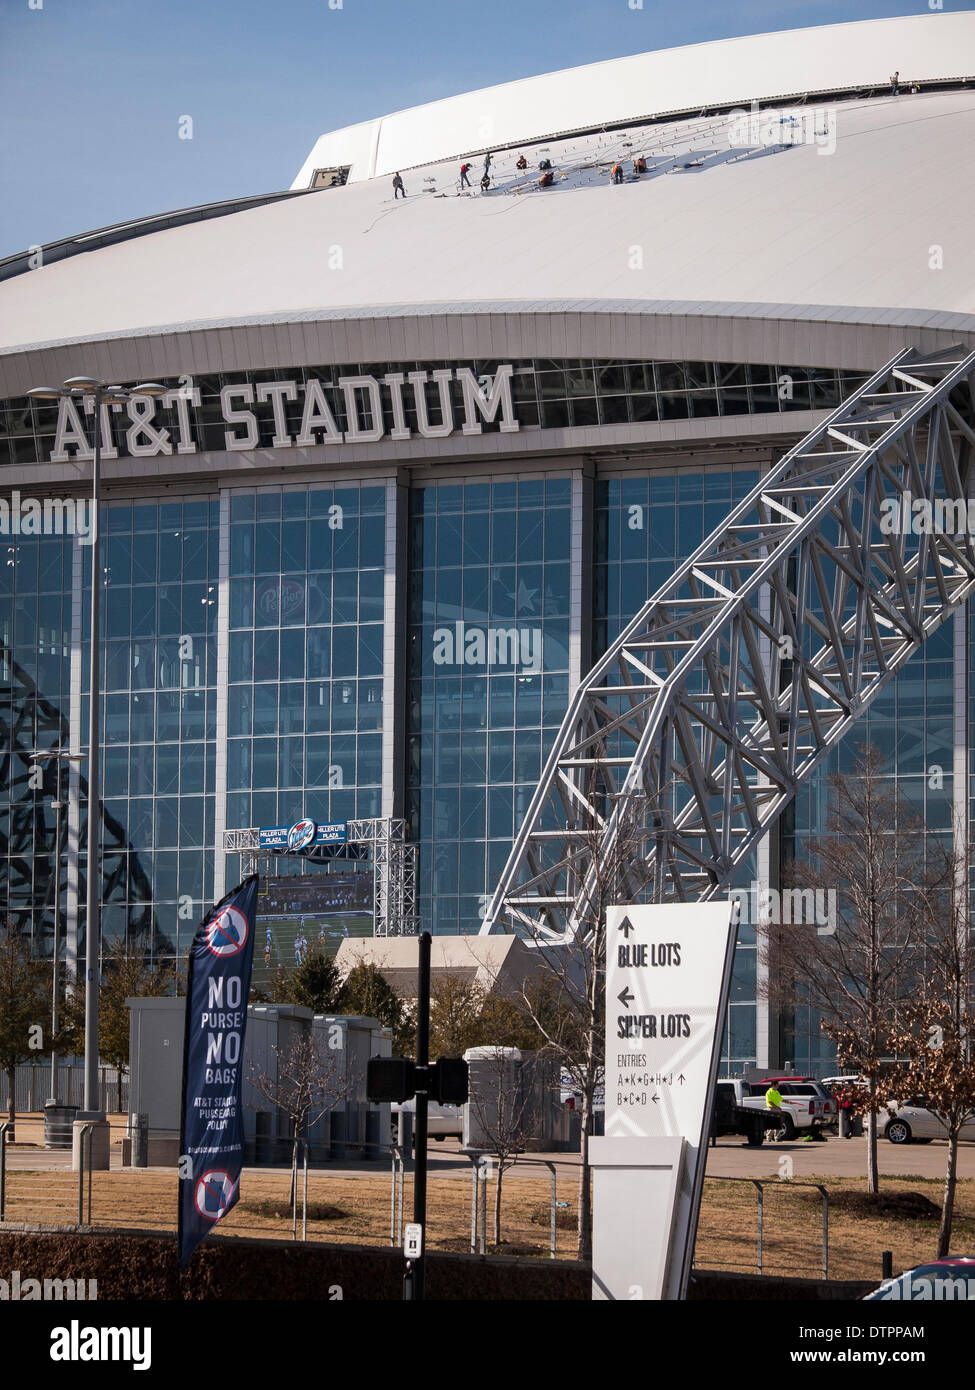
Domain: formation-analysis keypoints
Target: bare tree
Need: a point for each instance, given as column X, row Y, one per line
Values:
column 856, row 971
column 565, row 1000
column 502, row 1103
column 308, row 1081
column 933, row 1030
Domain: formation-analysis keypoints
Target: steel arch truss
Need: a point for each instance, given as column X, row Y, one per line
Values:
column 738, row 676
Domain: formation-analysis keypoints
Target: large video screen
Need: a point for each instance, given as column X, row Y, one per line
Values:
column 301, row 913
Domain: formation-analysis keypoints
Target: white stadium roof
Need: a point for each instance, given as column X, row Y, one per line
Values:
column 724, row 73
column 724, row 226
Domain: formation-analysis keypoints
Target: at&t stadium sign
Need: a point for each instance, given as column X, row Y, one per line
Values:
column 260, row 414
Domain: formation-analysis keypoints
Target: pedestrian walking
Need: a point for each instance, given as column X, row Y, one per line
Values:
column 398, row 187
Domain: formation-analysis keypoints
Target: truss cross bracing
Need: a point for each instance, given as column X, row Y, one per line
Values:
column 734, row 681
column 394, row 865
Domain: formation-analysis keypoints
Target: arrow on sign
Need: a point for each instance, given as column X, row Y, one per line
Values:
column 654, row 1099
column 625, row 996
column 682, row 1078
column 626, row 926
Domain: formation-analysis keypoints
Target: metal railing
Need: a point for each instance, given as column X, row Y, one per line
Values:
column 84, row 1143
column 3, row 1167
column 760, row 1184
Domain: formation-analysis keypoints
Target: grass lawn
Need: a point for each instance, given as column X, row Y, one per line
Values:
column 356, row 1210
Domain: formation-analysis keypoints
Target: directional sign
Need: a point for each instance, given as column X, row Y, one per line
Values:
column 668, row 973
column 664, row 973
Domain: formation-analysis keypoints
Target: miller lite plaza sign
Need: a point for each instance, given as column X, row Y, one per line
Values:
column 372, row 408
column 668, row 973
column 304, row 834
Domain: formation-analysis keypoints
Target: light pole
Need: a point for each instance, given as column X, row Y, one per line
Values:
column 80, row 387
column 57, row 805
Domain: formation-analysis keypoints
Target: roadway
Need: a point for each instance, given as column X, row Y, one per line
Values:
column 730, row 1158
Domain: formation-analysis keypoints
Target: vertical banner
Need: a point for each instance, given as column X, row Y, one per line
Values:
column 212, row 1135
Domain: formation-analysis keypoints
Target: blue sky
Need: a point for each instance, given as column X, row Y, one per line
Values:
column 92, row 91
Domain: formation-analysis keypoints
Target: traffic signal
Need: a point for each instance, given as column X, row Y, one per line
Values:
column 390, row 1079
column 449, row 1081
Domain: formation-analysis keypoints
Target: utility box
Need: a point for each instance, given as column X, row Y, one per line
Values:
column 344, row 1043
column 514, row 1097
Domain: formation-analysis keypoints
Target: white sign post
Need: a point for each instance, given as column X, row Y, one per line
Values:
column 668, row 973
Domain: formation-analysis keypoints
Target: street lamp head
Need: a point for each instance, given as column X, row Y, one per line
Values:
column 82, row 383
column 148, row 388
column 45, row 393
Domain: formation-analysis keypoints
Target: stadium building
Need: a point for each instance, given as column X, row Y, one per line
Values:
column 418, row 460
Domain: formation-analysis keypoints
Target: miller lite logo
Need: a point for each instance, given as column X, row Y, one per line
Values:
column 301, row 835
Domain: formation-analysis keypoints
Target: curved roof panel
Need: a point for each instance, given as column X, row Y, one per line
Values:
column 859, row 212
column 723, row 73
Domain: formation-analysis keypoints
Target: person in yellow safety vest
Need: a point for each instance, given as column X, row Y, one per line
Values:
column 773, row 1101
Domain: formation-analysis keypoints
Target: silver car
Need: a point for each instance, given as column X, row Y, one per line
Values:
column 915, row 1123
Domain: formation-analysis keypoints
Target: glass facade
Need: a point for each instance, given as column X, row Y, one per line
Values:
column 645, row 524
column 35, row 678
column 488, row 676
column 304, row 700
column 378, row 646
column 158, row 681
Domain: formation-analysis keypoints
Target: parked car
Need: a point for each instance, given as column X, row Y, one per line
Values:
column 740, row 1108
column 915, row 1124
column 951, row 1280
column 731, row 1115
column 571, row 1096
column 807, row 1104
column 443, row 1121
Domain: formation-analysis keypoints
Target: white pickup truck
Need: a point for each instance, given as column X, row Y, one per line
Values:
column 740, row 1108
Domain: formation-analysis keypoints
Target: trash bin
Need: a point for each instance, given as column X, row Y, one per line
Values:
column 58, row 1124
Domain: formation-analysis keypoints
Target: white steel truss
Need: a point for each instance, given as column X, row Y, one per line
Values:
column 394, row 867
column 734, row 681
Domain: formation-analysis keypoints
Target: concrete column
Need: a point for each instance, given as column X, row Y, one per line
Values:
column 223, row 675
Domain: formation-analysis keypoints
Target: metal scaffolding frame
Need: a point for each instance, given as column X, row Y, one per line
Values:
column 37, row 867
column 394, row 866
column 735, row 680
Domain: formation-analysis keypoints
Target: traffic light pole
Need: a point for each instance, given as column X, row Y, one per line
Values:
column 413, row 1282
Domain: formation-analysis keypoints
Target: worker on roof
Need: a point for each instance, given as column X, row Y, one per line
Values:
column 547, row 179
column 398, row 186
column 522, row 162
column 464, row 180
column 617, row 173
column 485, row 181
column 639, row 165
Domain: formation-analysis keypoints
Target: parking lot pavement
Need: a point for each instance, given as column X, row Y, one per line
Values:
column 838, row 1158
